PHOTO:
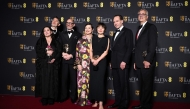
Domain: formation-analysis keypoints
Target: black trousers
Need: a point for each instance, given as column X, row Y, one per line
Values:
column 68, row 82
column 146, row 80
column 121, row 87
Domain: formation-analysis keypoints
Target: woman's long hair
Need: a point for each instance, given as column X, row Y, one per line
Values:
column 42, row 32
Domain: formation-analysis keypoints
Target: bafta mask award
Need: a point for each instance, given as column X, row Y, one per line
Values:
column 66, row 46
column 49, row 48
column 144, row 53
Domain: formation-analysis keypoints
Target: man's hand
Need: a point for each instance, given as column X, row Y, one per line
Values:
column 146, row 64
column 135, row 67
column 122, row 65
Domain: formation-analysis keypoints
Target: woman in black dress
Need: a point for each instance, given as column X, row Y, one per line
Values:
column 48, row 54
column 98, row 52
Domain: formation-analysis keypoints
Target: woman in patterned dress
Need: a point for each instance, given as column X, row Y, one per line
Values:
column 83, row 65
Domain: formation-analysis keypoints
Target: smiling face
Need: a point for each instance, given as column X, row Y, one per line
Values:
column 55, row 22
column 100, row 29
column 117, row 22
column 70, row 24
column 88, row 29
column 142, row 16
column 47, row 32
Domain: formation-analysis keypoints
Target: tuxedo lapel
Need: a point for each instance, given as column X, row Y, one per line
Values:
column 112, row 39
column 119, row 35
column 66, row 36
column 142, row 30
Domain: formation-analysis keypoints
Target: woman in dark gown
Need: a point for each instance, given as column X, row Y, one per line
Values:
column 48, row 54
column 98, row 53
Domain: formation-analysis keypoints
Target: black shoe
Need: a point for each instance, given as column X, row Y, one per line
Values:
column 137, row 107
column 50, row 101
column 44, row 101
column 113, row 106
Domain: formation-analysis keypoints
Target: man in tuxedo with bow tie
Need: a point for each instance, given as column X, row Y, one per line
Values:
column 55, row 23
column 121, row 51
column 68, row 40
column 145, row 59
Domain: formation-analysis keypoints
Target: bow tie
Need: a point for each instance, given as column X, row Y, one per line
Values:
column 54, row 31
column 117, row 30
column 70, row 31
column 139, row 27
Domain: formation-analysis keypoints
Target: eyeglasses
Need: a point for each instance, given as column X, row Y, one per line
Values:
column 141, row 14
column 69, row 23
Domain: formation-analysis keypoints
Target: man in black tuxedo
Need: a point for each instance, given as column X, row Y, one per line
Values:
column 145, row 59
column 55, row 23
column 121, row 51
column 68, row 40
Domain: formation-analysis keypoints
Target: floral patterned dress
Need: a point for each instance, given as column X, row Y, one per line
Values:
column 83, row 58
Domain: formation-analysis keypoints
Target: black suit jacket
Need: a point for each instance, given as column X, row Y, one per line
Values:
column 147, row 41
column 121, row 48
column 72, row 41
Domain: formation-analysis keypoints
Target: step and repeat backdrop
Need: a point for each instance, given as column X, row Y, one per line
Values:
column 22, row 22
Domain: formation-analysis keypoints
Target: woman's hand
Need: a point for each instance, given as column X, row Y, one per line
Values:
column 52, row 61
column 95, row 62
column 79, row 67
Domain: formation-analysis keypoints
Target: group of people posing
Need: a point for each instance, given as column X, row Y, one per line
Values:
column 72, row 65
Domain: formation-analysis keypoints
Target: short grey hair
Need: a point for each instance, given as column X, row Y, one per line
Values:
column 143, row 10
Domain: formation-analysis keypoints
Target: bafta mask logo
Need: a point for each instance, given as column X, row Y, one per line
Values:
column 88, row 19
column 181, row 48
column 24, row 33
column 37, row 19
column 128, row 4
column 185, row 33
column 167, row 33
column 33, row 60
column 182, row 18
column 180, row 79
column 166, row 93
column 9, row 32
column 21, row 46
column 111, row 33
column 24, row 61
column 9, row 5
column 186, row 3
column 23, row 88
column 59, row 4
column 184, row 95
column 139, row 3
column 137, row 92
column 85, row 4
column 8, row 87
column 21, row 18
column 49, row 5
column 101, row 4
column 153, row 18
column 167, row 3
column 33, row 32
column 110, row 91
column 9, row 60
column 155, row 93
column 34, row 5
column 125, row 18
column 157, row 4
column 46, row 18
column 72, row 18
column 21, row 74
column 32, row 88
column 156, row 64
column 171, row 18
column 62, row 19
column 24, row 5
column 75, row 5
column 185, row 64
column 170, row 49
column 167, row 63
column 111, row 4
column 98, row 18
column 170, row 79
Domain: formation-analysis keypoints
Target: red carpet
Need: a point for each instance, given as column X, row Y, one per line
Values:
column 30, row 102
